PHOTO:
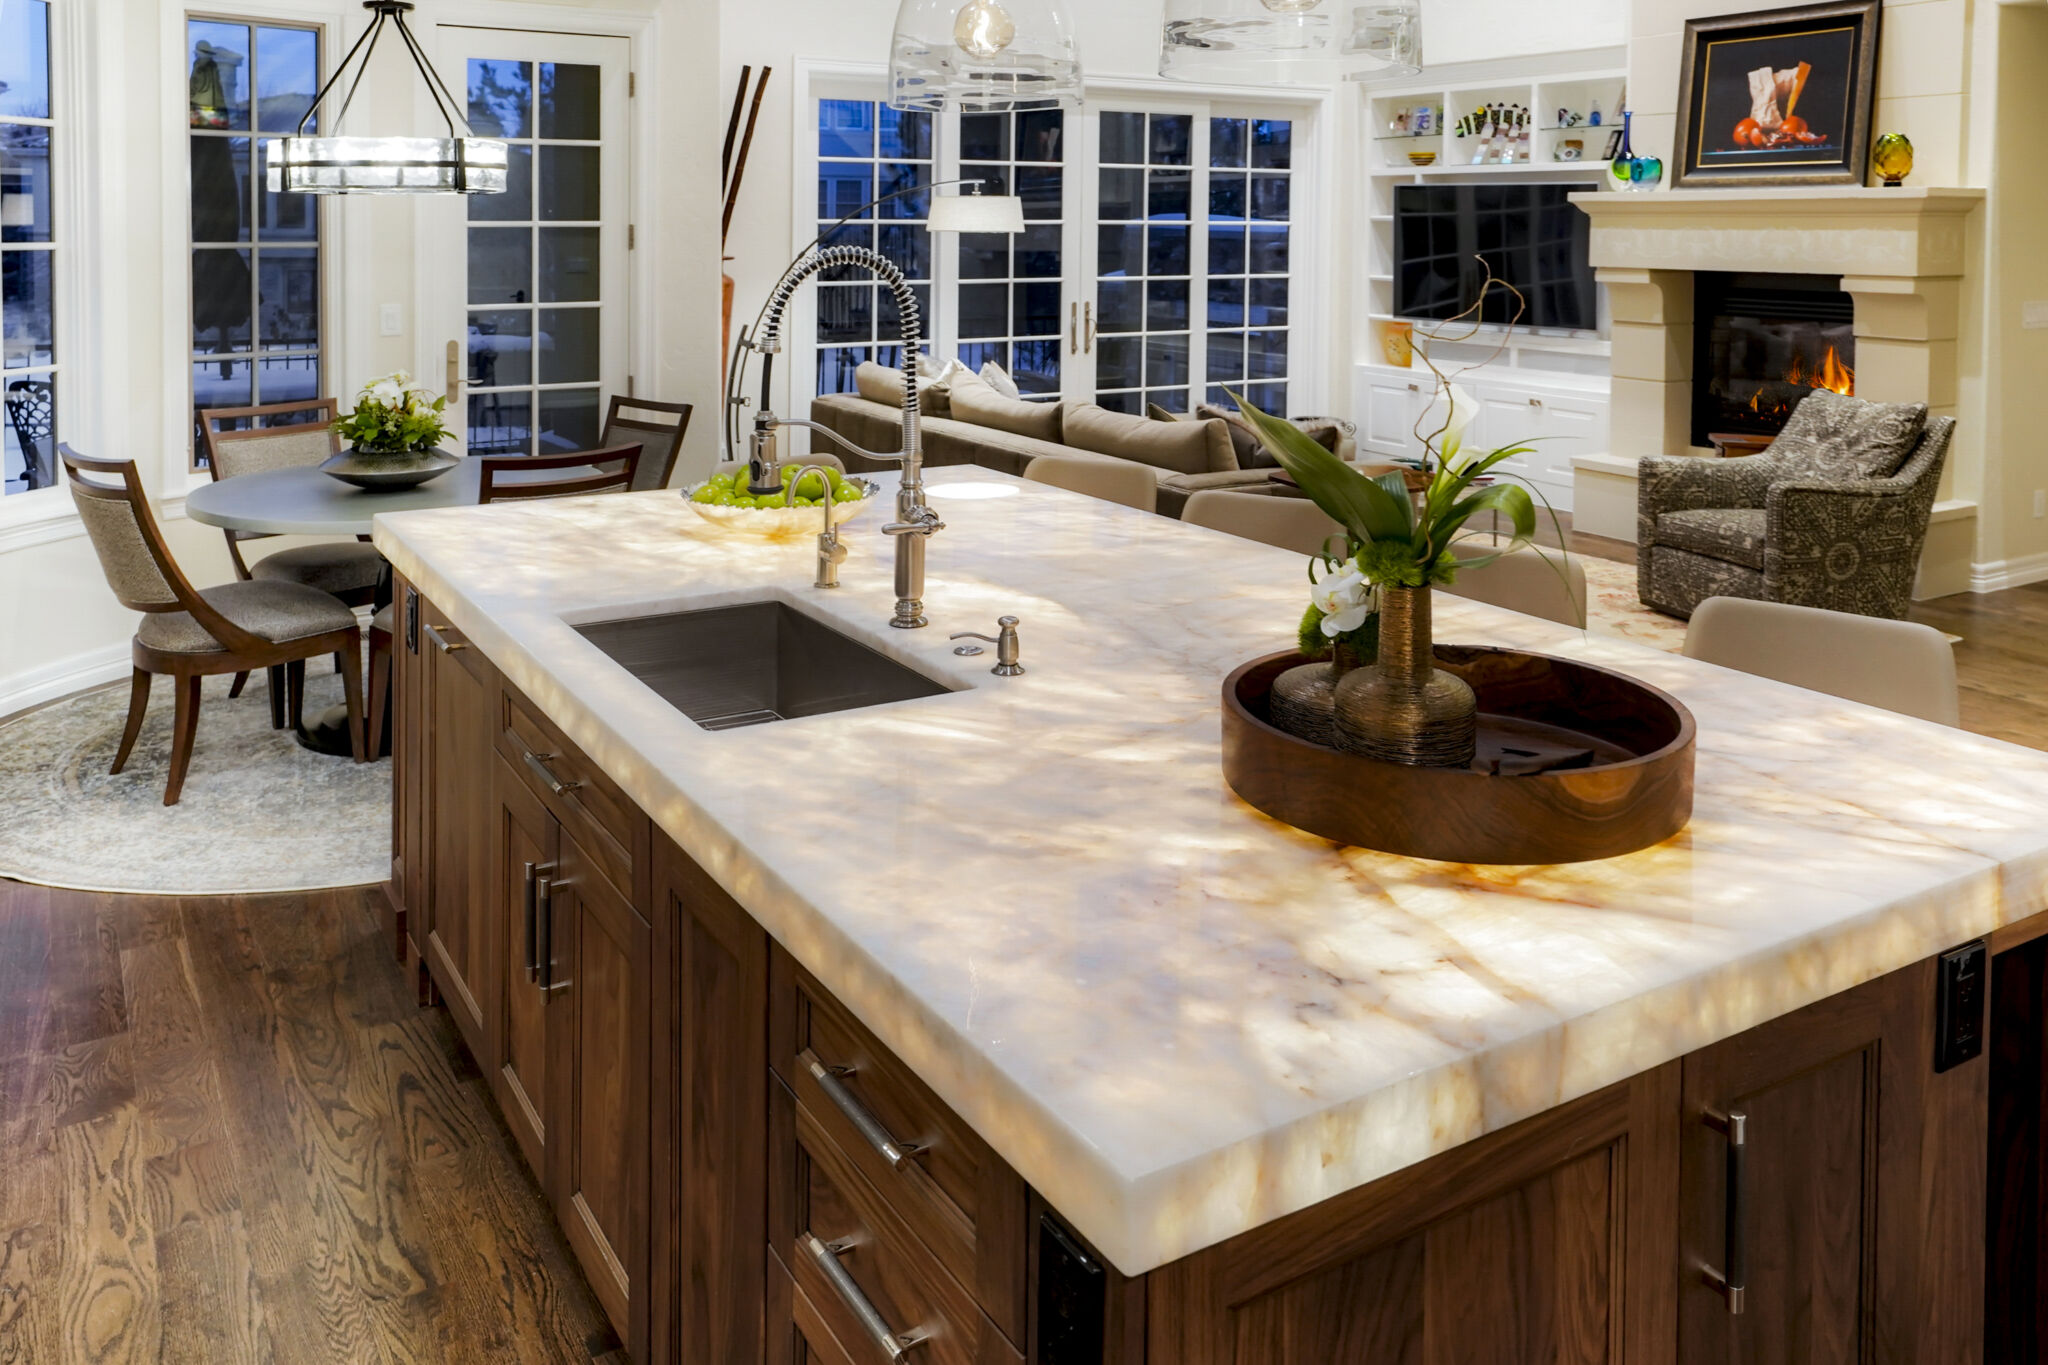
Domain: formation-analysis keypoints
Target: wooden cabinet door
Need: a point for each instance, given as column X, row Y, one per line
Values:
column 710, row 1166
column 597, row 959
column 1526, row 1247
column 459, row 701
column 1844, row 1233
column 408, row 765
column 524, row 856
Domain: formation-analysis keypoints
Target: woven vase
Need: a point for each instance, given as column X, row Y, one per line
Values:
column 1403, row 708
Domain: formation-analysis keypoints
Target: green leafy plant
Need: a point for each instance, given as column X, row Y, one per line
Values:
column 393, row 415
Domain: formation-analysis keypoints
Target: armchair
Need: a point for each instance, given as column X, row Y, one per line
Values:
column 1773, row 528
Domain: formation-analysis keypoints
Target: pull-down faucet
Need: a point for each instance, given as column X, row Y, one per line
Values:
column 915, row 520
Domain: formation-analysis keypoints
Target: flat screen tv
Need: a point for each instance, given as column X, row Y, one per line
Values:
column 1530, row 235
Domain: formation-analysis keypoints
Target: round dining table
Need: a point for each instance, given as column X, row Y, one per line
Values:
column 302, row 501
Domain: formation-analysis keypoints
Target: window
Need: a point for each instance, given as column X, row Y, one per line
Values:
column 1251, row 188
column 1010, row 287
column 535, row 297
column 28, row 247
column 867, row 150
column 256, row 277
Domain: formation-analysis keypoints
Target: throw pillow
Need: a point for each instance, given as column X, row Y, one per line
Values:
column 879, row 384
column 998, row 378
column 1159, row 414
column 1836, row 437
column 935, row 383
column 1326, row 432
column 982, row 405
column 1182, row 447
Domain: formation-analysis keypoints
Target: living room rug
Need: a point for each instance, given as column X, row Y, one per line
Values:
column 1612, row 607
column 258, row 813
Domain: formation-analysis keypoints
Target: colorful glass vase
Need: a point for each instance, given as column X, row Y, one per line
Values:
column 1892, row 159
column 1631, row 172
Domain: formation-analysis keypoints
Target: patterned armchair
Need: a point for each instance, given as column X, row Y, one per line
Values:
column 1833, row 515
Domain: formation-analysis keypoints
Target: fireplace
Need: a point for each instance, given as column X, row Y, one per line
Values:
column 1761, row 343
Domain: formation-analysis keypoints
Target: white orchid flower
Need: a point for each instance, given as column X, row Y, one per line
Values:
column 1448, row 417
column 1344, row 599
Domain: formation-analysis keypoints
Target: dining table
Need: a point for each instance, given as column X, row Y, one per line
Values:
column 302, row 501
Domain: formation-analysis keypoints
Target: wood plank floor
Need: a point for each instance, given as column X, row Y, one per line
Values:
column 228, row 1134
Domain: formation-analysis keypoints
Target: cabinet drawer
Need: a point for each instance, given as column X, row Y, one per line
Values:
column 960, row 1199
column 797, row 1334
column 589, row 805
column 857, row 1264
column 438, row 635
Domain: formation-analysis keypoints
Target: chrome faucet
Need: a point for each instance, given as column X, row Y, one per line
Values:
column 915, row 521
column 831, row 554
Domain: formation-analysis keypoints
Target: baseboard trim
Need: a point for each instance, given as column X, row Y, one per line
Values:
column 2009, row 573
column 27, row 690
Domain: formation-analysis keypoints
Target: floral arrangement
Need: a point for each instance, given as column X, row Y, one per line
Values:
column 393, row 415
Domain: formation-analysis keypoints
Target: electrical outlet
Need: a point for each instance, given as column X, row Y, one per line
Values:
column 2041, row 502
column 391, row 320
column 2034, row 315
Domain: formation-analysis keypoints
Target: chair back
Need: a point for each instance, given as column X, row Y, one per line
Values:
column 32, row 411
column 130, row 545
column 1897, row 665
column 292, row 436
column 1288, row 523
column 589, row 477
column 662, row 438
column 1552, row 586
column 1133, row 485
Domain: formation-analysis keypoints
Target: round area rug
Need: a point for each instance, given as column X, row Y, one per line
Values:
column 258, row 813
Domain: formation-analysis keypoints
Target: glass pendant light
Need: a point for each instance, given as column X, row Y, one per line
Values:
column 387, row 165
column 983, row 56
column 1290, row 41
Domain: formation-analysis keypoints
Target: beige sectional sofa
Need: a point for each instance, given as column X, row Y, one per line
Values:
column 1186, row 456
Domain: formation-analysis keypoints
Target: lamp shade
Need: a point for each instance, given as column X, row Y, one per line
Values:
column 976, row 213
column 1290, row 41
column 984, row 56
column 386, row 165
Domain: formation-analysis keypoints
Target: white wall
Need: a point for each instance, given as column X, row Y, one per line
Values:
column 1458, row 31
column 59, row 627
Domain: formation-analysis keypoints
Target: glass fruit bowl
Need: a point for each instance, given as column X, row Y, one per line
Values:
column 776, row 521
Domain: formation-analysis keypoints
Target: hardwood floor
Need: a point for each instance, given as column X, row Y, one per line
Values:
column 228, row 1134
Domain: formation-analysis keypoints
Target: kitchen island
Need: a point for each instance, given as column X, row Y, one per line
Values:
column 1189, row 1085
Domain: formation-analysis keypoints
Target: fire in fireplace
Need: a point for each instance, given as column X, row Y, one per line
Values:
column 1760, row 344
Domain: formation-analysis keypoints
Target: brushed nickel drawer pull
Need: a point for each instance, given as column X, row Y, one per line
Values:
column 1732, row 1280
column 443, row 643
column 537, row 764
column 832, row 1080
column 893, row 1344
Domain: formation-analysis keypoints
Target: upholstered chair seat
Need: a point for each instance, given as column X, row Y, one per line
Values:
column 275, row 611
column 1833, row 515
column 344, row 568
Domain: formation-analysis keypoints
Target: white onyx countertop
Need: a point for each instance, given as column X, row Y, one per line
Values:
column 1177, row 1018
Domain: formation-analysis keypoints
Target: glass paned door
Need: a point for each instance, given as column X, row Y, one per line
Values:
column 29, row 233
column 1192, row 260
column 1011, row 292
column 543, row 267
column 866, row 150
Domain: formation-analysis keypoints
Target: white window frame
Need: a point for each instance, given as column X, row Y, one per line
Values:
column 71, row 128
column 1313, row 273
column 337, row 28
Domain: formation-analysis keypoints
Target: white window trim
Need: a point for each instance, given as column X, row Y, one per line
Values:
column 342, row 254
column 1314, row 272
column 32, row 518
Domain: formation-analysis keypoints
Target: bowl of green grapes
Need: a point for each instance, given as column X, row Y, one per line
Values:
column 724, row 500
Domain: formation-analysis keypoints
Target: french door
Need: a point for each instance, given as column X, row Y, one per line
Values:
column 1189, row 272
column 529, row 288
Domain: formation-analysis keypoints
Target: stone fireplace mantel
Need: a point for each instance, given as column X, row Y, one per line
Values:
column 1902, row 257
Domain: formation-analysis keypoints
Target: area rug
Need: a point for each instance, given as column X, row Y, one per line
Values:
column 258, row 814
column 1612, row 607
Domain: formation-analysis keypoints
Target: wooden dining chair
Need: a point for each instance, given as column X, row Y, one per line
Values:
column 191, row 634
column 663, row 439
column 588, row 478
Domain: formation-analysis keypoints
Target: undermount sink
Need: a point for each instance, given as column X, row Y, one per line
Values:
column 728, row 667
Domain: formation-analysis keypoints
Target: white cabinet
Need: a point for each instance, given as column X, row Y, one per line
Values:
column 1554, row 416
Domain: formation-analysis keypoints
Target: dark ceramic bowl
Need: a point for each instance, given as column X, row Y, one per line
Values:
column 378, row 473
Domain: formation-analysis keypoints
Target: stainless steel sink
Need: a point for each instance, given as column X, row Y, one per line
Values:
column 727, row 667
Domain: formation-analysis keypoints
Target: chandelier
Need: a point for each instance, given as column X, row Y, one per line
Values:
column 984, row 56
column 387, row 165
column 1290, row 41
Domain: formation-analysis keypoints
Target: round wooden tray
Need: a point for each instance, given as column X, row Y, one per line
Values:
column 1635, row 791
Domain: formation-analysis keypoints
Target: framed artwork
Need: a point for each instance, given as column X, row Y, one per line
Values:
column 1778, row 97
